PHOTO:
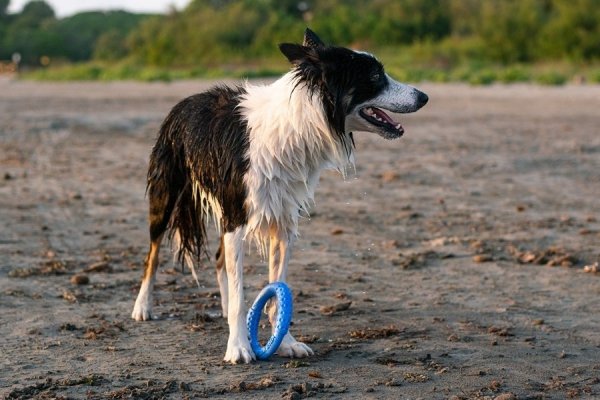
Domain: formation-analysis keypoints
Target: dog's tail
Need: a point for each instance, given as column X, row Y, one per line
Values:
column 170, row 192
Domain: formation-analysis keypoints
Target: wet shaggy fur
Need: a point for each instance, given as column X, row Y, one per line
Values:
column 183, row 158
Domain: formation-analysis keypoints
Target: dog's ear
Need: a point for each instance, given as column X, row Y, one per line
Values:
column 312, row 40
column 297, row 54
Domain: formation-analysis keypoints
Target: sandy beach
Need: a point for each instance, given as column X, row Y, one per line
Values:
column 456, row 262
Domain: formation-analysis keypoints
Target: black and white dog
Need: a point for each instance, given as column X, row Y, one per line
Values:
column 249, row 158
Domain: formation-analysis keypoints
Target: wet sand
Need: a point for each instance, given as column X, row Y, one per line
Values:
column 462, row 249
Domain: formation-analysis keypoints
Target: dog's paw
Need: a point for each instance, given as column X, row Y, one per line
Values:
column 292, row 348
column 142, row 311
column 239, row 351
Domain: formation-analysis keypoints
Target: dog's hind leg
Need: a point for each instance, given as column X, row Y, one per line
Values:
column 159, row 214
column 238, row 345
column 280, row 251
column 142, row 311
column 222, row 277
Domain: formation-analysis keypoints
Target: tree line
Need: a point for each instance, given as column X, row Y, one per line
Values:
column 213, row 32
column 37, row 35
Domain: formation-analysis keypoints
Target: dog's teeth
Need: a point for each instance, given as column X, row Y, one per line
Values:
column 398, row 126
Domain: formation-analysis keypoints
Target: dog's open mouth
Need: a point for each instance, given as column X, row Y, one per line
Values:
column 378, row 117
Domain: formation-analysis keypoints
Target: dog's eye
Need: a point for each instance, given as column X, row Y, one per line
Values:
column 375, row 77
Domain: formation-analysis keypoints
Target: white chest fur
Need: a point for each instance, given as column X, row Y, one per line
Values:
column 290, row 143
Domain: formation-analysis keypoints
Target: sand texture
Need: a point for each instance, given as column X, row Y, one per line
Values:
column 457, row 262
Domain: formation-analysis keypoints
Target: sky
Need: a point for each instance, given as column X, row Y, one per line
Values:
column 64, row 8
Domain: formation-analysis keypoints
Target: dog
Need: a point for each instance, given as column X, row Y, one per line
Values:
column 249, row 158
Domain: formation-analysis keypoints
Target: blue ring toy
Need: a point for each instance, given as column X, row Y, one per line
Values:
column 282, row 324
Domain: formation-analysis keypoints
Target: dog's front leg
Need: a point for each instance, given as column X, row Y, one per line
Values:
column 280, row 251
column 238, row 345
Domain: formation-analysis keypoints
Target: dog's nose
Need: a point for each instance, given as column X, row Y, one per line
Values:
column 422, row 99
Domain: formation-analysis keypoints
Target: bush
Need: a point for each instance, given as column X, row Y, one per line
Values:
column 79, row 72
column 155, row 75
column 483, row 77
column 594, row 76
column 513, row 74
column 551, row 78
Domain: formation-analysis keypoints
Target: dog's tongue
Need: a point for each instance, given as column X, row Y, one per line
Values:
column 382, row 115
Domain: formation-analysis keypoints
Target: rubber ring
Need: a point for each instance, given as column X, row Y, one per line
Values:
column 282, row 322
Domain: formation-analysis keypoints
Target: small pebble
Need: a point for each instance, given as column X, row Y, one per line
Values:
column 80, row 279
column 481, row 258
column 594, row 268
column 453, row 338
column 389, row 176
column 315, row 374
column 562, row 354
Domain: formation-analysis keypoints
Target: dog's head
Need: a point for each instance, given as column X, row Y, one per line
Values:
column 353, row 86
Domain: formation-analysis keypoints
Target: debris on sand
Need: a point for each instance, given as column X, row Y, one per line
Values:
column 552, row 256
column 149, row 390
column 264, row 383
column 101, row 266
column 68, row 327
column 506, row 396
column 453, row 337
column 307, row 338
column 49, row 267
column 482, row 258
column 69, row 296
column 330, row 310
column 592, row 269
column 107, row 329
column 296, row 364
column 390, row 244
column 304, row 390
column 391, row 361
column 49, row 387
column 389, row 176
column 500, row 330
column 417, row 260
column 389, row 382
column 415, row 377
column 374, row 333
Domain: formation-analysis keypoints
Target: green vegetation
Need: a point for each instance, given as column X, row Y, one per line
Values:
column 36, row 33
column 481, row 42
